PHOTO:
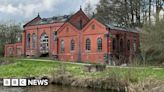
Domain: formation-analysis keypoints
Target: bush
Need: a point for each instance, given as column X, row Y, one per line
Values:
column 152, row 43
column 1, row 51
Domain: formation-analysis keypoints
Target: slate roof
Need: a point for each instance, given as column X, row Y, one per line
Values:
column 58, row 19
column 111, row 26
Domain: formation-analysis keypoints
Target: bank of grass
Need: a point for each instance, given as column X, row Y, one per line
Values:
column 33, row 68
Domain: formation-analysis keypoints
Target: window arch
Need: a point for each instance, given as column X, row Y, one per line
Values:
column 128, row 45
column 99, row 44
column 33, row 40
column 28, row 40
column 88, row 44
column 62, row 48
column 72, row 45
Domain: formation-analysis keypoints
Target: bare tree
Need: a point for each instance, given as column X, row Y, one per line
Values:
column 8, row 34
column 150, row 4
column 89, row 10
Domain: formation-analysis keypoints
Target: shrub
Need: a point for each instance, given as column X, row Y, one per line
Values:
column 152, row 43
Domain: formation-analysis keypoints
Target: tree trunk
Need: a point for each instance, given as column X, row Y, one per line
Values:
column 149, row 11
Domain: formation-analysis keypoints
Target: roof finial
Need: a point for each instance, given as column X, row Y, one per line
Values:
column 80, row 7
column 38, row 15
column 93, row 16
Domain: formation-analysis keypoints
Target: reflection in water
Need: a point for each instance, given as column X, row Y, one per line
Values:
column 55, row 88
column 10, row 89
column 50, row 88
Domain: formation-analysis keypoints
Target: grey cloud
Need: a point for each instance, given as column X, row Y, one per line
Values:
column 29, row 8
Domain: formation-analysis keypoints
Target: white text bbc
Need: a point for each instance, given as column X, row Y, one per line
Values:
column 25, row 82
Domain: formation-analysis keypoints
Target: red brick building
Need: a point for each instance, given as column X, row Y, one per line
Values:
column 75, row 38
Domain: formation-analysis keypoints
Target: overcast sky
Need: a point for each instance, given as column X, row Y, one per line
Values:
column 24, row 10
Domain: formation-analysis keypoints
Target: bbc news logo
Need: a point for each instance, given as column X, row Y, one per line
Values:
column 25, row 82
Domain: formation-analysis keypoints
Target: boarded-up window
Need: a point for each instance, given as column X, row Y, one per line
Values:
column 28, row 40
column 128, row 45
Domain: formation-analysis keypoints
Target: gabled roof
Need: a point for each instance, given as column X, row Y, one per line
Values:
column 77, row 17
column 69, row 18
column 78, row 12
column 55, row 19
column 33, row 21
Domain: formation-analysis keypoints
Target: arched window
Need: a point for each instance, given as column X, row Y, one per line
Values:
column 33, row 40
column 44, row 43
column 88, row 44
column 99, row 44
column 121, row 45
column 114, row 44
column 72, row 45
column 62, row 48
column 128, row 45
column 55, row 35
column 28, row 40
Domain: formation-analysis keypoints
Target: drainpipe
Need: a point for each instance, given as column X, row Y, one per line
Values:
column 24, row 43
column 108, row 46
column 50, row 52
column 37, row 42
column 79, row 47
column 109, row 57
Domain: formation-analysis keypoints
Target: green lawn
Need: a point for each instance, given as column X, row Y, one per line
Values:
column 29, row 68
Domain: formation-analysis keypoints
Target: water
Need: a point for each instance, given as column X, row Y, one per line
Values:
column 50, row 88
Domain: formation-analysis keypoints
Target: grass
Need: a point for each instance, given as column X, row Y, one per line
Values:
column 30, row 68
column 26, row 69
column 139, row 74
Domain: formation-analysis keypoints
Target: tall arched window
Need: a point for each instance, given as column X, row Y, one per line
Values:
column 62, row 48
column 114, row 44
column 128, row 45
column 33, row 40
column 28, row 40
column 88, row 44
column 55, row 35
column 99, row 44
column 72, row 45
column 121, row 45
column 44, row 43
